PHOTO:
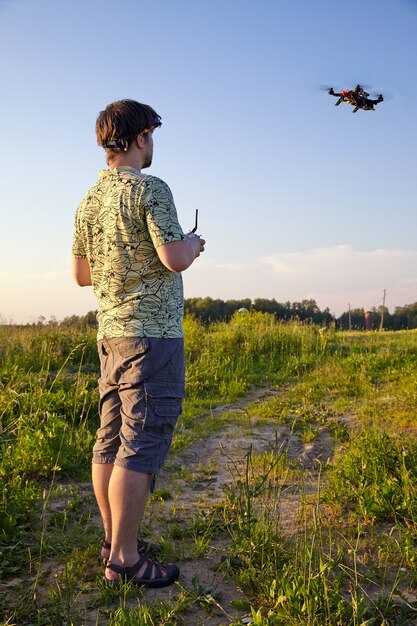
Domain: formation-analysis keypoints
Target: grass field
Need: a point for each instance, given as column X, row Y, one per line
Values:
column 289, row 498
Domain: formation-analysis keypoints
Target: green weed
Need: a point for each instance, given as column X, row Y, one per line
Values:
column 376, row 477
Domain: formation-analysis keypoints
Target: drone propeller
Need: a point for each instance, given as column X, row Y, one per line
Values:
column 347, row 86
column 385, row 94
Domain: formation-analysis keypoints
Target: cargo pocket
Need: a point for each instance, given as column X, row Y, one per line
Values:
column 134, row 364
column 163, row 407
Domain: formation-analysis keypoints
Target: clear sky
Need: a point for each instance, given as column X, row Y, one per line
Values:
column 297, row 198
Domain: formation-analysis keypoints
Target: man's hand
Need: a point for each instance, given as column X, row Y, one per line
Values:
column 196, row 242
column 177, row 256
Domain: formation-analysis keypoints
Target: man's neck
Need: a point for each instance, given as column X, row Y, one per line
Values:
column 125, row 160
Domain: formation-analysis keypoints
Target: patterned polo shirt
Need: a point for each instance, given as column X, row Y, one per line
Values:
column 120, row 222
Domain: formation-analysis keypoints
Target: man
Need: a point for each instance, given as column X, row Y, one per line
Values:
column 129, row 246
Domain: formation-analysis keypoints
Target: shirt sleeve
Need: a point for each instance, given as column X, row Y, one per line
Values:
column 160, row 213
column 78, row 245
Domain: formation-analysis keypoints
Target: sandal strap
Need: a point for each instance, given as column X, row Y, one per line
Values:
column 118, row 569
column 129, row 572
column 162, row 570
column 149, row 569
column 105, row 544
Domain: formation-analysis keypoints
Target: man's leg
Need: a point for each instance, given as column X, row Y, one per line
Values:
column 127, row 494
column 107, row 441
column 101, row 473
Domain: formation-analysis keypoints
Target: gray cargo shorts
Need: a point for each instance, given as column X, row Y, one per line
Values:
column 141, row 390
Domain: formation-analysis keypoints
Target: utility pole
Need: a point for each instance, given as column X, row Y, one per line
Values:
column 381, row 326
column 350, row 318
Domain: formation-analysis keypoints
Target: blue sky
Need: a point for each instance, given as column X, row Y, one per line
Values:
column 297, row 198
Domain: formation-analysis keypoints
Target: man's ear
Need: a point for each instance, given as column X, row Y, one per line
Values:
column 141, row 140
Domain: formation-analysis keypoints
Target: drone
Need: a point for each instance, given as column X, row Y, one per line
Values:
column 357, row 97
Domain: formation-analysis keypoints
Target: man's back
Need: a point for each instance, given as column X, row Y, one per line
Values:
column 119, row 224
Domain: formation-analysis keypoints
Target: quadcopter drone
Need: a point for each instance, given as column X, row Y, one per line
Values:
column 357, row 97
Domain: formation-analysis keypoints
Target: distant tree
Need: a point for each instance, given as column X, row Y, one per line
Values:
column 71, row 320
column 90, row 319
column 405, row 317
column 82, row 322
column 306, row 310
column 357, row 317
column 231, row 306
column 205, row 309
column 269, row 306
column 208, row 310
column 385, row 318
column 327, row 317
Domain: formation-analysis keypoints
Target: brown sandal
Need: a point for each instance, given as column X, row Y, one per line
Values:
column 156, row 574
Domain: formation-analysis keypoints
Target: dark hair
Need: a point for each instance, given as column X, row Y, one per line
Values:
column 122, row 121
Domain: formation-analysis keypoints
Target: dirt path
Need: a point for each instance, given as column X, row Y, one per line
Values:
column 211, row 463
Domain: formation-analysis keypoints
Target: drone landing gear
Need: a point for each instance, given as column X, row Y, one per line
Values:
column 355, row 109
column 338, row 102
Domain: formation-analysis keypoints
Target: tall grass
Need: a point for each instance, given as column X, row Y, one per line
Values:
column 225, row 359
column 326, row 572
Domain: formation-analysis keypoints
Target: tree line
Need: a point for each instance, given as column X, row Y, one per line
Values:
column 208, row 310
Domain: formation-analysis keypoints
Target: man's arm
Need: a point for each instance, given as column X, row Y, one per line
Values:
column 81, row 272
column 177, row 256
